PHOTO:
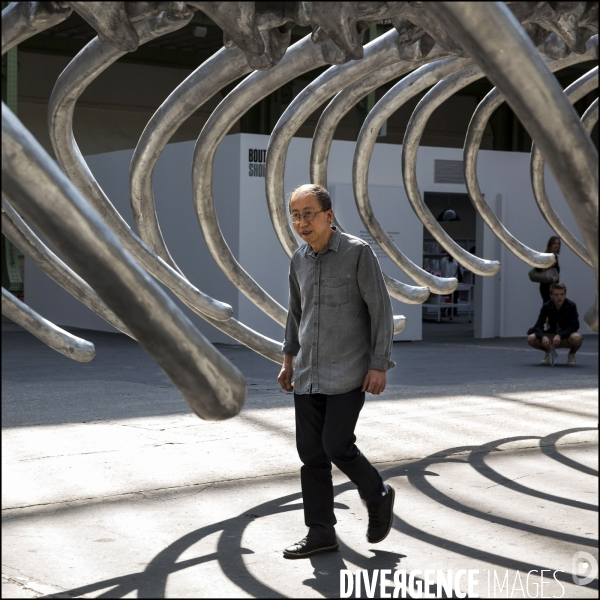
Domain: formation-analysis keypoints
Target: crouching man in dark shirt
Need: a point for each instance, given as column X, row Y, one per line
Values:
column 563, row 323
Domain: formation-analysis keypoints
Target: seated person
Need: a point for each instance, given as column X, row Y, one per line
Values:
column 563, row 323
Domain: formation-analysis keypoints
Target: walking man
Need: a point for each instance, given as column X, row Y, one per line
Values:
column 339, row 331
column 563, row 326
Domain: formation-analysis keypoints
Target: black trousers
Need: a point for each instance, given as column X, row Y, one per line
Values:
column 545, row 292
column 324, row 435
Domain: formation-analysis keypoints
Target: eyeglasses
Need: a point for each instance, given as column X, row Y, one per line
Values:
column 307, row 216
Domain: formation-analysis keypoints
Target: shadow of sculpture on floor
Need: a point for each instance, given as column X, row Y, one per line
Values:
column 152, row 581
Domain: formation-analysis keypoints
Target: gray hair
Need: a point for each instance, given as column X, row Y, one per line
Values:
column 318, row 191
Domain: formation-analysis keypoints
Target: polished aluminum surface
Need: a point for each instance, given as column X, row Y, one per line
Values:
column 37, row 188
column 520, row 74
column 342, row 103
column 83, row 69
column 378, row 53
column 399, row 324
column 381, row 51
column 477, row 126
column 410, row 146
column 20, row 234
column 300, row 58
column 208, row 79
column 590, row 116
column 577, row 90
column 423, row 33
column 58, row 339
column 407, row 88
column 22, row 20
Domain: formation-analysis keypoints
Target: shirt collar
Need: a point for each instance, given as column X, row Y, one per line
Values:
column 334, row 243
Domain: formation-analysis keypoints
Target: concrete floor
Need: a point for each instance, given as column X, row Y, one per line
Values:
column 112, row 488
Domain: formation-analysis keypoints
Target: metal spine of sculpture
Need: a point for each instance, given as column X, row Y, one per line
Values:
column 446, row 45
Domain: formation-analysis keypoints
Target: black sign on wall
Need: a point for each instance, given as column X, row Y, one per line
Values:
column 256, row 162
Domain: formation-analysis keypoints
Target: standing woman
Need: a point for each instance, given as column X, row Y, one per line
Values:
column 554, row 247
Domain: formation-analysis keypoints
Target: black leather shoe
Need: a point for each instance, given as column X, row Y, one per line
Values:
column 311, row 544
column 381, row 516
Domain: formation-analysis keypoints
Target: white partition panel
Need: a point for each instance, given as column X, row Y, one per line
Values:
column 506, row 305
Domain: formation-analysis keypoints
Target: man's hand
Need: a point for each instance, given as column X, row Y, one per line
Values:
column 546, row 343
column 374, row 382
column 286, row 373
column 556, row 341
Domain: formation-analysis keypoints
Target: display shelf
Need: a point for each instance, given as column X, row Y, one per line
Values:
column 435, row 302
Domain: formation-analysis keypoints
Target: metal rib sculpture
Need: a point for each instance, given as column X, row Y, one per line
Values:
column 58, row 339
column 107, row 279
column 411, row 85
column 590, row 116
column 477, row 126
column 574, row 92
column 300, row 58
column 207, row 80
column 22, row 20
column 19, row 233
column 33, row 183
column 343, row 102
column 381, row 51
column 414, row 132
column 378, row 52
column 84, row 68
column 522, row 77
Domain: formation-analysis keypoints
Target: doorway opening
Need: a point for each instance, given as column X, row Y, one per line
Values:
column 450, row 316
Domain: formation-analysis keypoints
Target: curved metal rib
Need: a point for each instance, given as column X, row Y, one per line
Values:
column 85, row 67
column 410, row 86
column 301, row 57
column 590, row 116
column 211, row 76
column 477, row 126
column 481, row 28
column 378, row 52
column 414, row 131
column 34, row 184
column 58, row 339
column 399, row 324
column 344, row 101
column 22, row 20
column 334, row 112
column 183, row 101
column 19, row 233
column 574, row 92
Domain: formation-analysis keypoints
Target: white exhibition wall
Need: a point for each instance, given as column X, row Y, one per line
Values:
column 506, row 305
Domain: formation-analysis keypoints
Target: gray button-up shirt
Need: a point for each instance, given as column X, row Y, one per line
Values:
column 340, row 322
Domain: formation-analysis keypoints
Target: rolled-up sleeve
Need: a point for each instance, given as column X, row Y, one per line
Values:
column 376, row 297
column 291, row 344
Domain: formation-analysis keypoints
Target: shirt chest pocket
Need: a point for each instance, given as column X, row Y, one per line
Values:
column 335, row 291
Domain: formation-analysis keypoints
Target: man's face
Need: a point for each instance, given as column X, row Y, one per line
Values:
column 317, row 231
column 558, row 296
